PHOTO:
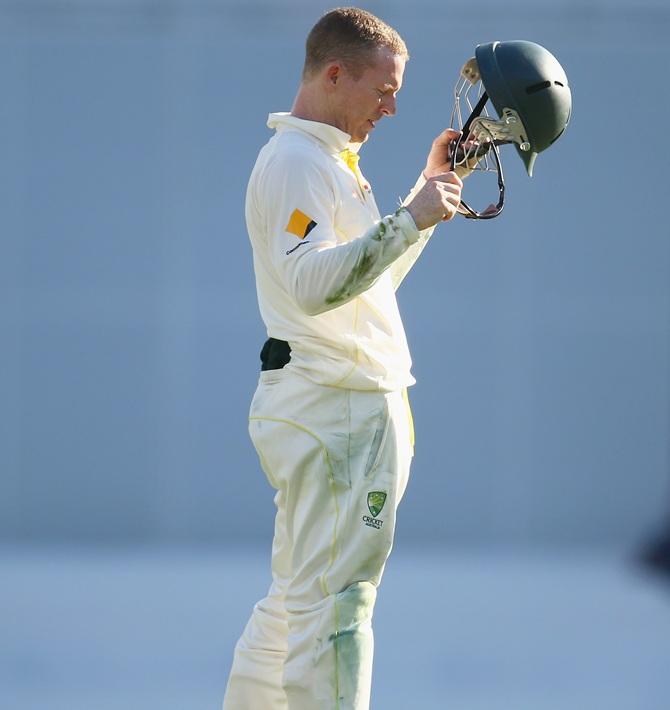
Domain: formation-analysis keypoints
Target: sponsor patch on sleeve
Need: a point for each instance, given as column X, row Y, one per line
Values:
column 300, row 224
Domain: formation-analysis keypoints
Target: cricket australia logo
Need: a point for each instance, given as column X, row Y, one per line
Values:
column 376, row 500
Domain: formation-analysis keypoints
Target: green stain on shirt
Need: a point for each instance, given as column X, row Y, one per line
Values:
column 360, row 271
column 354, row 278
column 379, row 233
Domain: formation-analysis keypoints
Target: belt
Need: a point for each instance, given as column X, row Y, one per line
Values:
column 275, row 354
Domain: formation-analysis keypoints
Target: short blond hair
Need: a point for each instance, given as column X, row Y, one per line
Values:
column 350, row 35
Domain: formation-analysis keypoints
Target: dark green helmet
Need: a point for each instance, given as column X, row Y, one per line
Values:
column 524, row 80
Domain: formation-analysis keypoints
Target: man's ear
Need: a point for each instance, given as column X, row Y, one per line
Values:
column 333, row 73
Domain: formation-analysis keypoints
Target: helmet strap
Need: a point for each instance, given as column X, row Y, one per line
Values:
column 464, row 208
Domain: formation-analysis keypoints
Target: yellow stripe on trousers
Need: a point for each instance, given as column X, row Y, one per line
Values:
column 410, row 418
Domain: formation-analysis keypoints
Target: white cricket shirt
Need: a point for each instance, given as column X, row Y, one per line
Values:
column 326, row 263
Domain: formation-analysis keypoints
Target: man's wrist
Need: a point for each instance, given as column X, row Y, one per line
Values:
column 420, row 182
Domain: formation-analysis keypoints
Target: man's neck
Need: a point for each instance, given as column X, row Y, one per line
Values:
column 313, row 107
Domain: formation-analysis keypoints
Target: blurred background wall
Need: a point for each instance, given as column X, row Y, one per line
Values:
column 128, row 320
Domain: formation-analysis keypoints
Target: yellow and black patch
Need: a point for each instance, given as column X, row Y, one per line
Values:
column 300, row 224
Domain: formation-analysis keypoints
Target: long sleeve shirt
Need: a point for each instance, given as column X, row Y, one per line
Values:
column 326, row 263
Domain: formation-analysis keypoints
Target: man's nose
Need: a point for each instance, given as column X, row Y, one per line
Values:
column 389, row 105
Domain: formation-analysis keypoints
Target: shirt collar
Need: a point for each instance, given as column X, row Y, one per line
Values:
column 333, row 137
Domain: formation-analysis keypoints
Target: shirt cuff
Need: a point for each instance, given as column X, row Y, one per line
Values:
column 405, row 221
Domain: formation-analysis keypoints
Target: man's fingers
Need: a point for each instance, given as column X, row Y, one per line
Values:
column 437, row 200
column 449, row 178
column 447, row 188
column 448, row 135
column 451, row 198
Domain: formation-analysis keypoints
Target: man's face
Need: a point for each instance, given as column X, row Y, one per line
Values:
column 364, row 101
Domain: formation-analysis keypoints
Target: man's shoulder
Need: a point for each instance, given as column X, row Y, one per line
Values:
column 292, row 155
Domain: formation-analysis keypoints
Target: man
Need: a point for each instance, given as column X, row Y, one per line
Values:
column 330, row 419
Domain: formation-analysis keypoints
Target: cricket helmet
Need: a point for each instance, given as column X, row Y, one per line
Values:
column 526, row 85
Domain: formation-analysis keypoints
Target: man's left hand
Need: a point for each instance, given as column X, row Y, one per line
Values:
column 438, row 161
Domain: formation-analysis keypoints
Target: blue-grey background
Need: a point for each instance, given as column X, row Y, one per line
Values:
column 129, row 322
column 130, row 332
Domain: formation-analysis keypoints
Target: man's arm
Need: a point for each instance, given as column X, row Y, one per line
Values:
column 320, row 274
column 438, row 162
column 401, row 266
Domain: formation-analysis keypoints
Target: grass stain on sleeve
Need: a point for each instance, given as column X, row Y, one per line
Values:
column 359, row 272
column 354, row 278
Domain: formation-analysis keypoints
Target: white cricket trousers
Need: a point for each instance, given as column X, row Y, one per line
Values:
column 339, row 460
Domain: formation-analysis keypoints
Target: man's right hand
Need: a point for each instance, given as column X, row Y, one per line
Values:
column 436, row 201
